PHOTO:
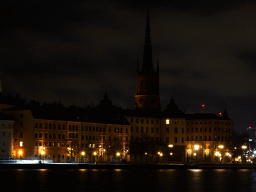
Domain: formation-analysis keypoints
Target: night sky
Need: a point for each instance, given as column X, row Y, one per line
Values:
column 76, row 52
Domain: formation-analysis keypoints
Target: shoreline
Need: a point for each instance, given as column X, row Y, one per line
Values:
column 126, row 166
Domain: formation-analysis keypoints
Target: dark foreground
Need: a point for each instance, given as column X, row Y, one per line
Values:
column 97, row 179
column 126, row 166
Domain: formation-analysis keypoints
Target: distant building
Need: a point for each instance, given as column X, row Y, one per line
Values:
column 6, row 135
column 209, row 138
column 58, row 134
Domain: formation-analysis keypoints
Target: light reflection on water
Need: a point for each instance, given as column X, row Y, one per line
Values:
column 43, row 170
column 195, row 170
column 127, row 180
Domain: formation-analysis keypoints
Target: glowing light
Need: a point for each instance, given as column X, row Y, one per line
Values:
column 196, row 147
column 194, row 154
column 171, row 153
column 118, row 154
column 94, row 153
column 167, row 121
column 244, row 147
column 220, row 114
column 83, row 153
column 217, row 153
column 221, row 146
column 203, row 106
column 170, row 145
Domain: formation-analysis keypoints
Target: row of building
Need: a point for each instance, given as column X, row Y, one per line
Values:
column 105, row 133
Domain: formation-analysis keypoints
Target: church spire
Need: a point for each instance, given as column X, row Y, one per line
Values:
column 147, row 56
column 225, row 113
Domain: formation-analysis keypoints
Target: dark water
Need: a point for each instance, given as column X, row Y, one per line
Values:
column 128, row 180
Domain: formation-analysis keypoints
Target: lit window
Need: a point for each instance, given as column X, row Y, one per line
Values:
column 21, row 143
column 167, row 121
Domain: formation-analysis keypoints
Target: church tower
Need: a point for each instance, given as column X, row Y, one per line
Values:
column 147, row 79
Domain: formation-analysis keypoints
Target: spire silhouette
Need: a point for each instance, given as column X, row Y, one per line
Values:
column 147, row 56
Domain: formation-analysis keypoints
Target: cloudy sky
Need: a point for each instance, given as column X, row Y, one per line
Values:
column 75, row 52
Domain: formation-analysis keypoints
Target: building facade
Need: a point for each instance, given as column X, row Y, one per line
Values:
column 208, row 138
column 6, row 135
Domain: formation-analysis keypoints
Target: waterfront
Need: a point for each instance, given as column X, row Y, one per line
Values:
column 130, row 180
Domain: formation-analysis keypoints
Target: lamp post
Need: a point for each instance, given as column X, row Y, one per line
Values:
column 20, row 152
column 146, row 157
column 160, row 155
column 244, row 147
column 94, row 153
column 83, row 153
column 43, row 154
column 220, row 155
column 118, row 155
column 169, row 146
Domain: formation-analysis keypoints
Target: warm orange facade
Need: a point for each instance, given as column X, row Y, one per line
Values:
column 209, row 140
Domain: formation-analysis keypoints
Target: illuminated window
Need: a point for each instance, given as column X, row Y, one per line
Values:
column 167, row 121
column 21, row 143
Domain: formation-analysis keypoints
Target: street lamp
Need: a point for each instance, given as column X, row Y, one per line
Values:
column 83, row 153
column 94, row 153
column 244, row 147
column 20, row 153
column 42, row 152
column 160, row 155
column 169, row 146
column 146, row 157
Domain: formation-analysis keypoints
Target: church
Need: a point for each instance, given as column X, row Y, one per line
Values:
column 171, row 135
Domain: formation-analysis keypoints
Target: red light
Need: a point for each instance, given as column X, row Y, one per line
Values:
column 249, row 127
column 220, row 114
column 203, row 105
